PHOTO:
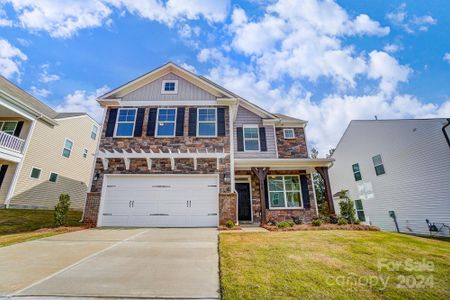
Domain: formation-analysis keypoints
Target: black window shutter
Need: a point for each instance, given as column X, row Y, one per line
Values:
column 192, row 121
column 266, row 192
column 111, row 122
column 221, row 121
column 3, row 173
column 262, row 138
column 139, row 122
column 18, row 128
column 151, row 121
column 305, row 191
column 180, row 122
column 240, row 139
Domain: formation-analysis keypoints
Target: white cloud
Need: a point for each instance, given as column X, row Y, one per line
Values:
column 4, row 21
column 40, row 93
column 392, row 48
column 45, row 77
column 188, row 67
column 84, row 101
column 386, row 68
column 10, row 59
column 400, row 17
column 447, row 57
column 187, row 31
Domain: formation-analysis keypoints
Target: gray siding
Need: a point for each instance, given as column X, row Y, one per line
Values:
column 152, row 91
column 416, row 159
column 244, row 116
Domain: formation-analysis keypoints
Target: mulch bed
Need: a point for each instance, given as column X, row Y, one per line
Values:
column 62, row 229
column 324, row 227
column 225, row 228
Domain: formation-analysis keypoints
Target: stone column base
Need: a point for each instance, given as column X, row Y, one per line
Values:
column 91, row 209
column 227, row 207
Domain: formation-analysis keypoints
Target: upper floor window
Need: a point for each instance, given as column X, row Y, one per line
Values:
column 35, row 173
column 284, row 191
column 207, row 122
column 126, row 118
column 68, row 145
column 8, row 126
column 378, row 164
column 289, row 133
column 251, row 138
column 169, row 87
column 94, row 131
column 165, row 125
column 356, row 172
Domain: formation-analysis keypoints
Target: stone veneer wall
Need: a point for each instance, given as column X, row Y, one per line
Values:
column 227, row 207
column 163, row 166
column 279, row 215
column 291, row 148
column 91, row 209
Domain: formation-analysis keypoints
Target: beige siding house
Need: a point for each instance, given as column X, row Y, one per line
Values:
column 43, row 153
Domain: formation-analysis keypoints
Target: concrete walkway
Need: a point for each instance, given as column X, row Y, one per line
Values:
column 128, row 263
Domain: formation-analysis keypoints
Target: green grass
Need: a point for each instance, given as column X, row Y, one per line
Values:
column 10, row 239
column 331, row 265
column 25, row 220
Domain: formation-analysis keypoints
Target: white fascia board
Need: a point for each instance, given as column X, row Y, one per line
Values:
column 163, row 103
column 286, row 124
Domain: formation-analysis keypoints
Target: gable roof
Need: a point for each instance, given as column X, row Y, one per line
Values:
column 286, row 118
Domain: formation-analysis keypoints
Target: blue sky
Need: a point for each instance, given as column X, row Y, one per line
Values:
column 324, row 61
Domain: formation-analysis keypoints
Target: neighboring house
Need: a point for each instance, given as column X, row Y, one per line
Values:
column 43, row 153
column 396, row 165
column 178, row 150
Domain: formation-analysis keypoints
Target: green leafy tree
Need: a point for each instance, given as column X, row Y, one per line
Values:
column 346, row 207
column 61, row 210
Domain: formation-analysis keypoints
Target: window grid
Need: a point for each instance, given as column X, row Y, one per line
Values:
column 169, row 87
column 94, row 132
column 207, row 122
column 35, row 173
column 356, row 172
column 289, row 133
column 85, row 153
column 166, row 120
column 53, row 177
column 67, row 149
column 285, row 192
column 378, row 164
column 360, row 210
column 8, row 126
column 252, row 138
column 126, row 119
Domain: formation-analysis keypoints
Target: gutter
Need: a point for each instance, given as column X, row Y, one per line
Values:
column 445, row 131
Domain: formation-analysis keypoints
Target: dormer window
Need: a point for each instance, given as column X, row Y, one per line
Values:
column 169, row 87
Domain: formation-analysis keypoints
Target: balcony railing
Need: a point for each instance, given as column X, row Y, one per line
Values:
column 11, row 142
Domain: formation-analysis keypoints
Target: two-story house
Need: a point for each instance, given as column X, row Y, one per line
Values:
column 396, row 168
column 178, row 150
column 43, row 153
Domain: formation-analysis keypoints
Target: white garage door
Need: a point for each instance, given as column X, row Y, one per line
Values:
column 160, row 201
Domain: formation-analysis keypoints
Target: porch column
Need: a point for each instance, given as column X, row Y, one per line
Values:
column 261, row 173
column 323, row 171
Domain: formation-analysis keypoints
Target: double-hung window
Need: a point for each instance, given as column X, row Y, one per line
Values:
column 53, row 177
column 378, row 164
column 207, row 122
column 68, row 145
column 360, row 210
column 165, row 126
column 8, row 126
column 125, row 122
column 356, row 172
column 94, row 132
column 251, row 137
column 284, row 192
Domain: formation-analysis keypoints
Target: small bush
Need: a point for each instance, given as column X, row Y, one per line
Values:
column 333, row 219
column 342, row 221
column 61, row 210
column 357, row 221
column 285, row 224
column 229, row 224
column 316, row 222
column 297, row 220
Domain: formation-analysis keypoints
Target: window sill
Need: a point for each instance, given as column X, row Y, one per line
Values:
column 286, row 208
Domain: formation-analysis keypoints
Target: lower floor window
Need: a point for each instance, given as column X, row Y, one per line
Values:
column 360, row 210
column 284, row 191
column 53, row 177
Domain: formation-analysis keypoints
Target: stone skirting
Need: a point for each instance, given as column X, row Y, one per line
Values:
column 91, row 209
column 227, row 207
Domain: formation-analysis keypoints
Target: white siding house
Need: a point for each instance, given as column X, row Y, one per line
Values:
column 413, row 180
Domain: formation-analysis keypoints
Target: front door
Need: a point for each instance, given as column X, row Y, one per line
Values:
column 244, row 203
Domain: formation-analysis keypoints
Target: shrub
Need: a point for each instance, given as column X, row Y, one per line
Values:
column 346, row 207
column 285, row 224
column 61, row 210
column 297, row 220
column 342, row 221
column 316, row 222
column 357, row 221
column 229, row 224
column 333, row 219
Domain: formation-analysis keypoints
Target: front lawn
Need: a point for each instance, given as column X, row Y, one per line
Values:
column 20, row 225
column 333, row 265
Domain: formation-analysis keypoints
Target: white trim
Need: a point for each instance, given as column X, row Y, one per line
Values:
column 276, row 140
column 117, row 123
column 198, row 122
column 85, row 152
column 64, row 148
column 92, row 131
column 146, row 103
column 31, row 172
column 163, row 85
column 174, row 123
column 258, row 138
column 285, row 163
column 284, row 192
column 50, row 175
column 9, row 121
column 286, row 130
column 375, row 166
column 20, row 164
column 247, row 179
column 314, row 191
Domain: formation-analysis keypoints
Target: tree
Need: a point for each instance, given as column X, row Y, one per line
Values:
column 346, row 207
column 61, row 210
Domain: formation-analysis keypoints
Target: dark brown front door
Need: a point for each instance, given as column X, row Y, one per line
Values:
column 244, row 203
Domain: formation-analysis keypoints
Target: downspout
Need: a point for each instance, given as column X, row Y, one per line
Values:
column 445, row 132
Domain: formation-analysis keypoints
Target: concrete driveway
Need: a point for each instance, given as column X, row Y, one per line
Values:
column 135, row 263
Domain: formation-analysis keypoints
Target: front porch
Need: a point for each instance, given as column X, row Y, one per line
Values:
column 276, row 190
